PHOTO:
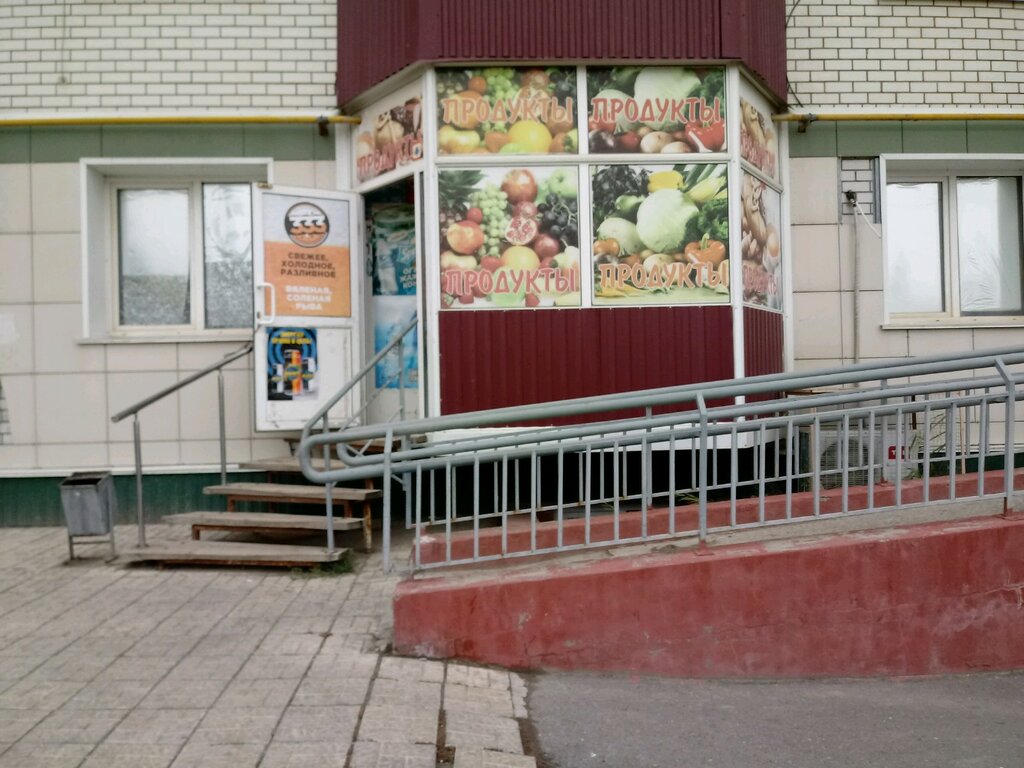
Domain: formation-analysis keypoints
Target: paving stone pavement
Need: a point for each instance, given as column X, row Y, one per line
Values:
column 103, row 666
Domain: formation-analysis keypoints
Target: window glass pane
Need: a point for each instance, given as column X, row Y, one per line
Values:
column 227, row 255
column 154, row 258
column 989, row 242
column 913, row 273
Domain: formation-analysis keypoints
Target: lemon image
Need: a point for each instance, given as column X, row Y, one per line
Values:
column 664, row 180
column 532, row 138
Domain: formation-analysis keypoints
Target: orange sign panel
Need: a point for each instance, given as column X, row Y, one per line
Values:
column 309, row 282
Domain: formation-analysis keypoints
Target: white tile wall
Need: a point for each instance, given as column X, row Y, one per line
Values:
column 57, row 329
column 879, row 54
column 16, row 211
column 57, row 268
column 17, row 348
column 55, row 199
column 71, row 407
column 15, row 269
column 177, row 54
column 814, row 199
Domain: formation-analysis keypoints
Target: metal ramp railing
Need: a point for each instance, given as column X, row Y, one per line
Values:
column 692, row 460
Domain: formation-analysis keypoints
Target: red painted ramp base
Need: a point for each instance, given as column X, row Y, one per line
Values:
column 928, row 599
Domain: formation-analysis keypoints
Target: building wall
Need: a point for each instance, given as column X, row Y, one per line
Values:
column 907, row 53
column 135, row 54
column 133, row 57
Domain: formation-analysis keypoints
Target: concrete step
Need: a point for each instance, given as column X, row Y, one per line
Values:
column 232, row 553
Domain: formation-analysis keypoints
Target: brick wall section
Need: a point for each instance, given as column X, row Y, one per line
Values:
column 69, row 54
column 906, row 53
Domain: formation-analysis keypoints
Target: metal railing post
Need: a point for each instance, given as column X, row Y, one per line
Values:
column 386, row 514
column 329, row 493
column 702, row 487
column 223, row 428
column 140, row 512
column 1011, row 418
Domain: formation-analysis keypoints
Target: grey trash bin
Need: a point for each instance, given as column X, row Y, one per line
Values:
column 90, row 506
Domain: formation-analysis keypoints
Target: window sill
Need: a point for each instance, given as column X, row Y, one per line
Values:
column 170, row 338
column 953, row 323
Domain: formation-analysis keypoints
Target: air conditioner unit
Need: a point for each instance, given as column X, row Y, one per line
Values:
column 832, row 446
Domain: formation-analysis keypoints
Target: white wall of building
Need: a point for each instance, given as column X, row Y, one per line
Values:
column 136, row 54
column 906, row 53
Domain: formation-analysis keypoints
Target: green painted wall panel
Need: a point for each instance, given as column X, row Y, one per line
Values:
column 173, row 141
column 995, row 136
column 36, row 500
column 286, row 142
column 65, row 144
column 858, row 139
column 819, row 140
column 323, row 146
column 921, row 137
column 15, row 145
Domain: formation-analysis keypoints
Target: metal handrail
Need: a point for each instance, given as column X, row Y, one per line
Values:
column 229, row 358
column 704, row 412
column 396, row 342
column 664, row 396
column 133, row 411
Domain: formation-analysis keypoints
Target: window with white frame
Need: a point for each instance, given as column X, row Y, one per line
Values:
column 954, row 245
column 169, row 248
column 184, row 255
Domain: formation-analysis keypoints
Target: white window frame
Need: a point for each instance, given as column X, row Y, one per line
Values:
column 100, row 181
column 945, row 170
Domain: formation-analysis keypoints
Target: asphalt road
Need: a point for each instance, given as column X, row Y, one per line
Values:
column 623, row 721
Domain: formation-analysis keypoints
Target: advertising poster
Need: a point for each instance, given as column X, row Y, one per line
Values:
column 508, row 111
column 390, row 314
column 759, row 142
column 656, row 110
column 509, row 238
column 390, row 135
column 393, row 243
column 306, row 256
column 291, row 363
column 761, row 246
column 661, row 234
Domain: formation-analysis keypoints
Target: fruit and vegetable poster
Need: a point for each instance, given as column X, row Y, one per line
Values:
column 759, row 142
column 661, row 234
column 656, row 110
column 390, row 135
column 306, row 256
column 506, row 110
column 761, row 248
column 509, row 238
column 291, row 363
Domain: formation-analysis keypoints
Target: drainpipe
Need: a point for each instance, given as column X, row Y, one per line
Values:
column 851, row 200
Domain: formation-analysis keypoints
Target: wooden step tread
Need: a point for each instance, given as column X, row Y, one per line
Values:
column 262, row 520
column 284, row 492
column 232, row 553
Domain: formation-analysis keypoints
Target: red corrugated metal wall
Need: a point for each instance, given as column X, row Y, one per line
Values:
column 492, row 359
column 377, row 39
column 762, row 344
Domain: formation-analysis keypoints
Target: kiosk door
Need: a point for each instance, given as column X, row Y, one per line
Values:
column 308, row 303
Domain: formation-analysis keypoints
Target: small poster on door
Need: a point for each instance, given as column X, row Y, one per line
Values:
column 306, row 256
column 292, row 364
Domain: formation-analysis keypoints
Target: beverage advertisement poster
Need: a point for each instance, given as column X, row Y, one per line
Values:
column 390, row 135
column 509, row 238
column 661, row 234
column 393, row 243
column 507, row 110
column 391, row 314
column 292, row 371
column 759, row 141
column 761, row 243
column 306, row 256
column 656, row 110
